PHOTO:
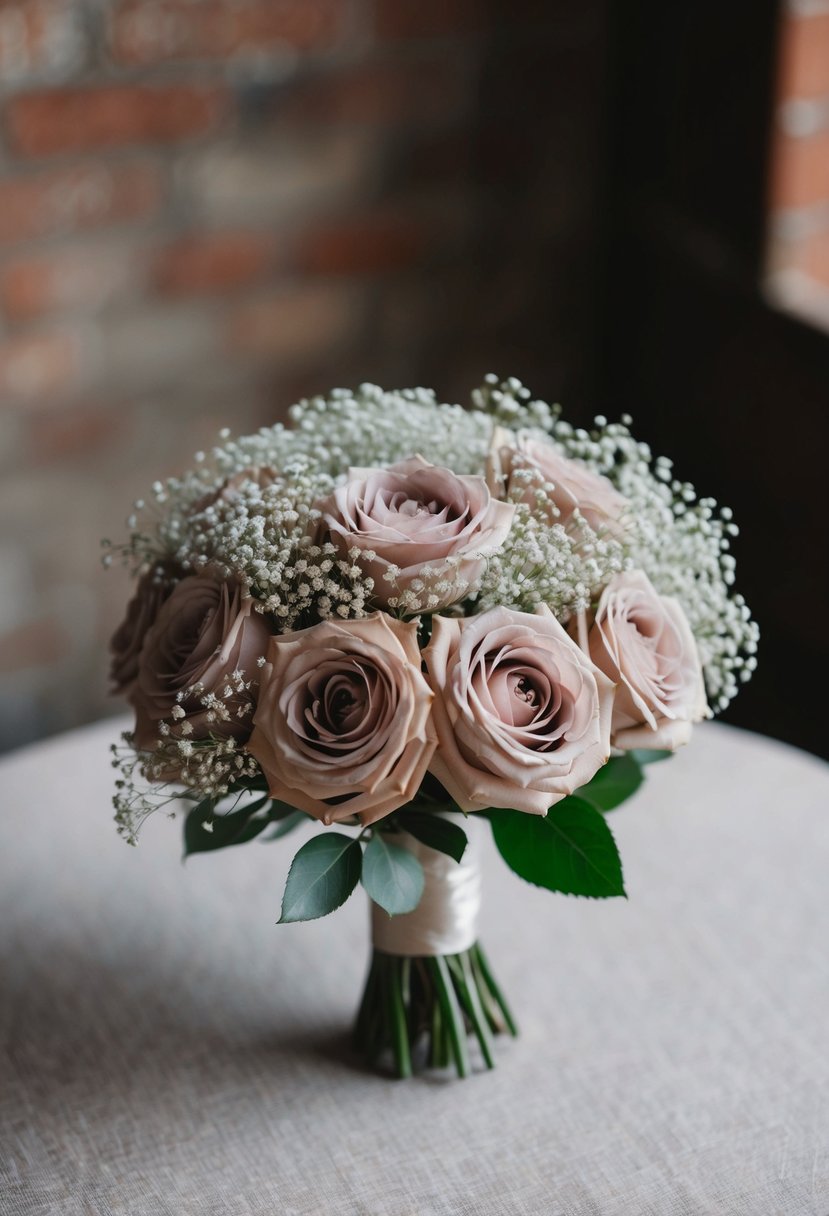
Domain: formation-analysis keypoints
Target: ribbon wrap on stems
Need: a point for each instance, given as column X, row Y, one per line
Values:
column 446, row 919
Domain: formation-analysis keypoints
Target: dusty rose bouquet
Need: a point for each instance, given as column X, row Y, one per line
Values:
column 392, row 615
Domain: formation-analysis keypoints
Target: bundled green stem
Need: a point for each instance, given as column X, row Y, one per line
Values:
column 422, row 1010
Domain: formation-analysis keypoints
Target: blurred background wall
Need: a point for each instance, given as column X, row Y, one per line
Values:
column 211, row 207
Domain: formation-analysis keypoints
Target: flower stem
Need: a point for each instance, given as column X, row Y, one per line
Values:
column 489, row 980
column 418, row 1011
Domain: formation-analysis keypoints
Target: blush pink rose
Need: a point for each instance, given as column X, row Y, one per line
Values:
column 206, row 631
column 127, row 641
column 343, row 723
column 522, row 715
column 642, row 641
column 415, row 515
column 568, row 484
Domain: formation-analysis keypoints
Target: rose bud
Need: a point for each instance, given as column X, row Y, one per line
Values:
column 343, row 725
column 522, row 715
column 643, row 642
column 422, row 531
column 204, row 644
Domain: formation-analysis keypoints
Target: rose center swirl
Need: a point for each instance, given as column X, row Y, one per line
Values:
column 529, row 702
column 344, row 705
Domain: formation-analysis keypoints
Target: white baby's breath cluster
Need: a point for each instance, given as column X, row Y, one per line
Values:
column 541, row 562
column 265, row 532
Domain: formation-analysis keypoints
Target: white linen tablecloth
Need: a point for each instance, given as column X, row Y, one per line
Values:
column 168, row 1051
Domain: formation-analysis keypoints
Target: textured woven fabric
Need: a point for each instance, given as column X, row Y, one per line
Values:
column 166, row 1049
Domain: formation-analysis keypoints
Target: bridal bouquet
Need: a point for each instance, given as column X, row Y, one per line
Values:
column 392, row 615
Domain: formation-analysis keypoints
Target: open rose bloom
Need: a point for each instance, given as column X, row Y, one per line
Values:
column 392, row 623
column 522, row 715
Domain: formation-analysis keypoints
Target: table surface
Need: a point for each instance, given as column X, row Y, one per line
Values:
column 168, row 1050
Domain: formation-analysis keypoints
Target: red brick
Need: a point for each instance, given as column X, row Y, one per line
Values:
column 35, row 644
column 70, row 200
column 428, row 18
column 36, row 365
column 80, row 120
column 804, row 56
column 429, row 90
column 75, row 279
column 212, row 262
column 364, row 245
column 78, row 433
column 800, row 175
column 40, row 38
column 151, row 31
column 295, row 324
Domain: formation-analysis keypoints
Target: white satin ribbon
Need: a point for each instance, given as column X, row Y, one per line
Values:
column 446, row 919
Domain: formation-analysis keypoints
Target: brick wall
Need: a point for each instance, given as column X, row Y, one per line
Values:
column 799, row 232
column 209, row 207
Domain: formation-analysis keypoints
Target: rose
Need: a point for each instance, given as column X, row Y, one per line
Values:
column 415, row 515
column 343, row 725
column 204, row 645
column 128, row 639
column 568, row 484
column 522, row 715
column 233, row 487
column 642, row 641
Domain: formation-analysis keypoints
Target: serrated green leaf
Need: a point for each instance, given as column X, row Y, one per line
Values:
column 613, row 784
column 649, row 756
column 222, row 831
column 435, row 831
column 322, row 876
column 286, row 823
column 571, row 850
column 392, row 876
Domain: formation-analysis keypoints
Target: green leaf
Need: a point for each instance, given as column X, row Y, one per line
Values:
column 287, row 822
column 648, row 756
column 435, row 832
column 237, row 827
column 613, row 784
column 322, row 876
column 392, row 876
column 570, row 850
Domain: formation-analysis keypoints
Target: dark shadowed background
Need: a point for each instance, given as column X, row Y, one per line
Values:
column 211, row 207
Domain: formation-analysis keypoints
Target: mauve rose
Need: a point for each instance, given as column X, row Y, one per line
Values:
column 412, row 515
column 643, row 642
column 126, row 643
column 206, row 630
column 568, row 484
column 522, row 715
column 343, row 727
column 232, row 487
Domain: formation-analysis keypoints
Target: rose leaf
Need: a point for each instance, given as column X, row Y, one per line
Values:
column 644, row 755
column 322, row 876
column 392, row 876
column 613, row 784
column 287, row 821
column 435, row 832
column 205, row 831
column 571, row 849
